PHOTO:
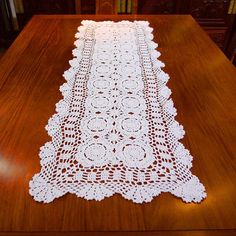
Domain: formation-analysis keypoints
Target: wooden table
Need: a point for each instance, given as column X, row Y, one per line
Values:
column 203, row 83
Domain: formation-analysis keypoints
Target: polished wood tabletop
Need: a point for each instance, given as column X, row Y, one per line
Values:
column 203, row 84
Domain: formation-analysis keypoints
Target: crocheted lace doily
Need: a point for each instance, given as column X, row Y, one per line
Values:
column 114, row 130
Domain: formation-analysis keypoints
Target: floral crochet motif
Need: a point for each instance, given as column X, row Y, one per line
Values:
column 115, row 129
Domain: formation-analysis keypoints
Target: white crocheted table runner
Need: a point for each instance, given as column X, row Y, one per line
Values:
column 114, row 130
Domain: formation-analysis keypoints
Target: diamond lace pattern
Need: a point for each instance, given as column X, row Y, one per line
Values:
column 114, row 130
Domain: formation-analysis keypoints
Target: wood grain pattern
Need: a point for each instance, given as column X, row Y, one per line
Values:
column 127, row 233
column 203, row 86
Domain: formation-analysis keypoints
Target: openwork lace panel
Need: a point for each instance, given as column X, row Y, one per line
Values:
column 114, row 130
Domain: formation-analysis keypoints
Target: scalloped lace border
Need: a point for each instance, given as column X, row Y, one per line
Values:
column 190, row 190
